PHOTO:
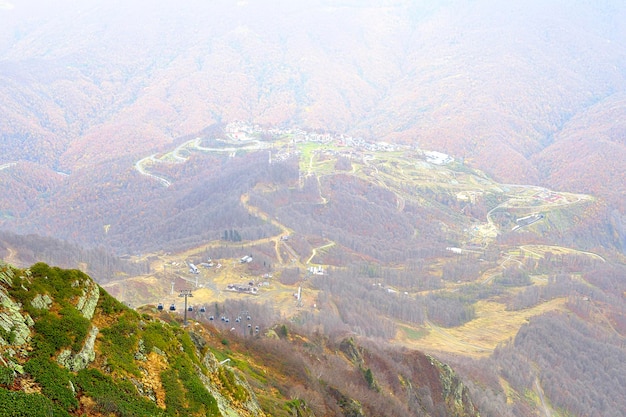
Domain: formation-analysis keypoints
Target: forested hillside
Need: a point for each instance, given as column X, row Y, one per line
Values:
column 530, row 94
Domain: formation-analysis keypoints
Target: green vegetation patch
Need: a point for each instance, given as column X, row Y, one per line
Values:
column 115, row 397
column 185, row 393
column 414, row 334
column 54, row 381
column 6, row 376
column 229, row 382
column 156, row 335
column 221, row 354
column 189, row 348
column 109, row 305
column 7, row 335
column 61, row 284
column 197, row 395
column 120, row 341
column 279, row 407
column 174, row 393
column 251, row 371
column 306, row 151
column 68, row 329
column 19, row 404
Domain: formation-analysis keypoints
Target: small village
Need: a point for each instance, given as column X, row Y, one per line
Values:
column 241, row 131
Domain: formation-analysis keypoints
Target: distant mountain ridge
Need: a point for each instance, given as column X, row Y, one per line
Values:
column 484, row 80
column 528, row 94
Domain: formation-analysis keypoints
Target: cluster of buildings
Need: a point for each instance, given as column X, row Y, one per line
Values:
column 243, row 131
column 246, row 259
column 247, row 289
column 240, row 130
column 316, row 270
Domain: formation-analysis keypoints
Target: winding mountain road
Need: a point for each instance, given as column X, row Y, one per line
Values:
column 139, row 166
column 314, row 251
column 7, row 165
column 176, row 156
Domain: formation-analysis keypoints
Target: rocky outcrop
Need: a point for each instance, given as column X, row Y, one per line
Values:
column 6, row 274
column 106, row 346
column 14, row 325
column 352, row 352
column 248, row 407
column 88, row 301
column 42, row 302
column 455, row 393
column 349, row 406
column 83, row 358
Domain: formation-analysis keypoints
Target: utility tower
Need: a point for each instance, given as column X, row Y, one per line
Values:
column 186, row 294
column 299, row 297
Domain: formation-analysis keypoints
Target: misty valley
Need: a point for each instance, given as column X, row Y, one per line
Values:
column 342, row 236
column 316, row 208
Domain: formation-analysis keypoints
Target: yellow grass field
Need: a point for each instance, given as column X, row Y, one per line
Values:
column 492, row 326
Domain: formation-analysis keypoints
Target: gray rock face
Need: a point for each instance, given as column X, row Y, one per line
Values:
column 456, row 394
column 42, row 302
column 12, row 321
column 83, row 358
column 140, row 355
column 89, row 300
column 6, row 274
column 158, row 351
column 223, row 403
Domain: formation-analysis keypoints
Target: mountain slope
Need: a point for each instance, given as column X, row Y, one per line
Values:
column 68, row 348
column 71, row 347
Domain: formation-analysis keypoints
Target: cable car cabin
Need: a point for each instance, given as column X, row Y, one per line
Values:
column 172, row 307
column 160, row 307
column 202, row 309
column 190, row 308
